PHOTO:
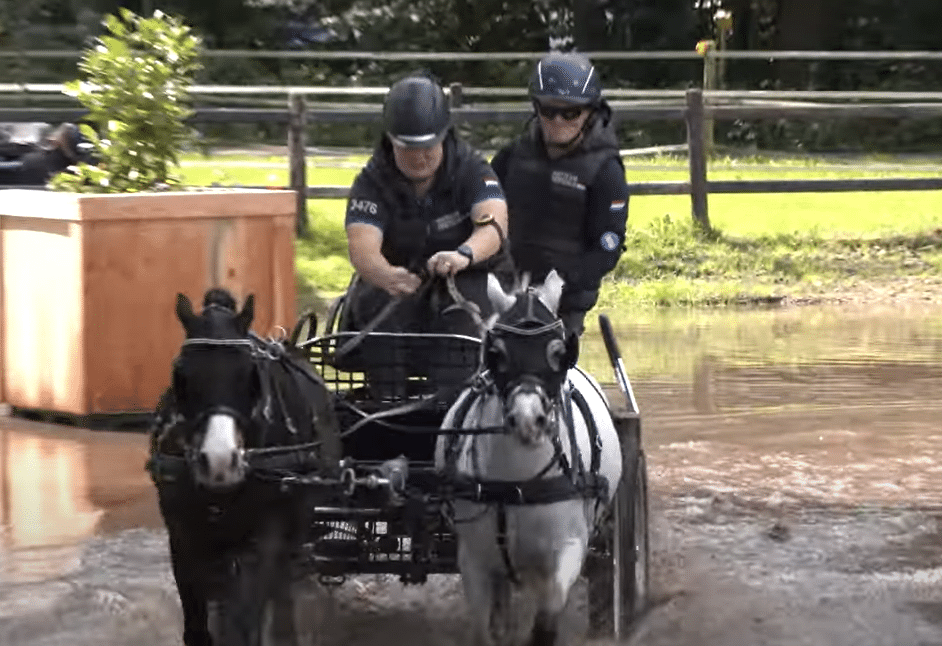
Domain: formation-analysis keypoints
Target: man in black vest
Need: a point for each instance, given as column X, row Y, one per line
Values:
column 565, row 184
column 421, row 207
column 23, row 164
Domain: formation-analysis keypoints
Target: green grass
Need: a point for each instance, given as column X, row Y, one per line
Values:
column 766, row 246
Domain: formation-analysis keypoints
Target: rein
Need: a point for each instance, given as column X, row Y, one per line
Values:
column 460, row 301
column 381, row 316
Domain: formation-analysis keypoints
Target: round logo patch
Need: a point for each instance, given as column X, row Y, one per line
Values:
column 609, row 241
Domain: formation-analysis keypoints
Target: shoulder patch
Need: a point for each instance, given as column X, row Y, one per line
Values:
column 609, row 241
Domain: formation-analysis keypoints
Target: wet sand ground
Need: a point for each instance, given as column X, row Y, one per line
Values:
column 725, row 572
column 792, row 503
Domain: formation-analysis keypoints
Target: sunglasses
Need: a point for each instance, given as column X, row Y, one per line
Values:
column 568, row 113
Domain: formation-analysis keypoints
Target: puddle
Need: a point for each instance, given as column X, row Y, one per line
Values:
column 795, row 461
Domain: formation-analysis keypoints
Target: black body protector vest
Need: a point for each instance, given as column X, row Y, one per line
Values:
column 415, row 231
column 548, row 204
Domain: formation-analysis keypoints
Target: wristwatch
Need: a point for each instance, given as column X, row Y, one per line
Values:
column 466, row 251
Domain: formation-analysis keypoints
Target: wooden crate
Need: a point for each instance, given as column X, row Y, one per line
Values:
column 89, row 286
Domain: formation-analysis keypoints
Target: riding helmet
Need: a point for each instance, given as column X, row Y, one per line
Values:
column 416, row 113
column 568, row 77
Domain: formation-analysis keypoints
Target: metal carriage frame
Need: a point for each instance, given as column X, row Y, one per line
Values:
column 388, row 515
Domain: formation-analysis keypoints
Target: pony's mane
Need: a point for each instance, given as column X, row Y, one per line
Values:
column 220, row 298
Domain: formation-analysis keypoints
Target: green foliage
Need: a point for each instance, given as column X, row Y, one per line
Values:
column 670, row 261
column 767, row 246
column 321, row 256
column 137, row 94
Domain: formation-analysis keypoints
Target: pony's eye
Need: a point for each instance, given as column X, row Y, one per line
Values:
column 555, row 351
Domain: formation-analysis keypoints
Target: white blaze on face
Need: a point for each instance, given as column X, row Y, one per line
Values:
column 219, row 453
column 527, row 416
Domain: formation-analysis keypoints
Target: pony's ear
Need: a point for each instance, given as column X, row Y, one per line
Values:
column 551, row 291
column 185, row 311
column 500, row 300
column 245, row 317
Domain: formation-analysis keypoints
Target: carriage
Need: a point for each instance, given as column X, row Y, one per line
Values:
column 370, row 496
column 390, row 513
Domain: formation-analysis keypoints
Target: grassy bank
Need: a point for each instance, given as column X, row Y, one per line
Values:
column 766, row 247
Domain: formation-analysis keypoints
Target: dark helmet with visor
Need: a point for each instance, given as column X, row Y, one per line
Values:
column 416, row 113
column 570, row 78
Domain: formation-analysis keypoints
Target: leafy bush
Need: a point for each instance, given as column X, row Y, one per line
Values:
column 137, row 96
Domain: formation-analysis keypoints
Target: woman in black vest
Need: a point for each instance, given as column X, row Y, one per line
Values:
column 565, row 184
column 420, row 207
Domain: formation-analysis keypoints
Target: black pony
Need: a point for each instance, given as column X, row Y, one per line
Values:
column 233, row 527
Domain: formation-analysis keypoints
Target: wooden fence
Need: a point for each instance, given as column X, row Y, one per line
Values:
column 694, row 107
column 695, row 112
column 660, row 55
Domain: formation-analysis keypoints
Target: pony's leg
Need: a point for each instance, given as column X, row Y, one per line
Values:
column 192, row 595
column 502, row 631
column 552, row 595
column 478, row 583
column 251, row 590
column 284, row 632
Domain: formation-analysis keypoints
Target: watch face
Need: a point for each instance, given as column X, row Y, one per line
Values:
column 484, row 219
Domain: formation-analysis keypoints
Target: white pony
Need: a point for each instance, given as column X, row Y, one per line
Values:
column 526, row 503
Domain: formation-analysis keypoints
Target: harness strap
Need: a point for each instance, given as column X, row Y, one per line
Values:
column 542, row 491
column 480, row 384
column 502, row 544
column 164, row 467
column 573, row 442
column 594, row 436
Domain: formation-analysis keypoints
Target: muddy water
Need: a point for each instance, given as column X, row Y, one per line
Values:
column 794, row 463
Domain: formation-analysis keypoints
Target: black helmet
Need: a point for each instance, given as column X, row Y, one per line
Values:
column 568, row 77
column 416, row 113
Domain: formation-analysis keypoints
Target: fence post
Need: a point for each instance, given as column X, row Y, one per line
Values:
column 710, row 75
column 455, row 95
column 697, row 158
column 297, row 169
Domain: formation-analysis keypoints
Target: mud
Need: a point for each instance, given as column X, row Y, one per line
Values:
column 793, row 462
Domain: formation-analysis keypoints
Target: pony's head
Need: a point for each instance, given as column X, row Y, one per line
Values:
column 528, row 353
column 216, row 386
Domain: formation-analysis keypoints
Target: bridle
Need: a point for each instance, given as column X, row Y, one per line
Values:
column 543, row 336
column 188, row 425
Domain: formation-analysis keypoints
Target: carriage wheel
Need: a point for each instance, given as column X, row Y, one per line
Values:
column 630, row 551
column 618, row 566
column 640, row 563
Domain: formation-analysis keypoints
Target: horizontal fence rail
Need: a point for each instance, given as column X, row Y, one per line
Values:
column 696, row 108
column 631, row 111
column 731, row 186
column 519, row 93
column 767, row 55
